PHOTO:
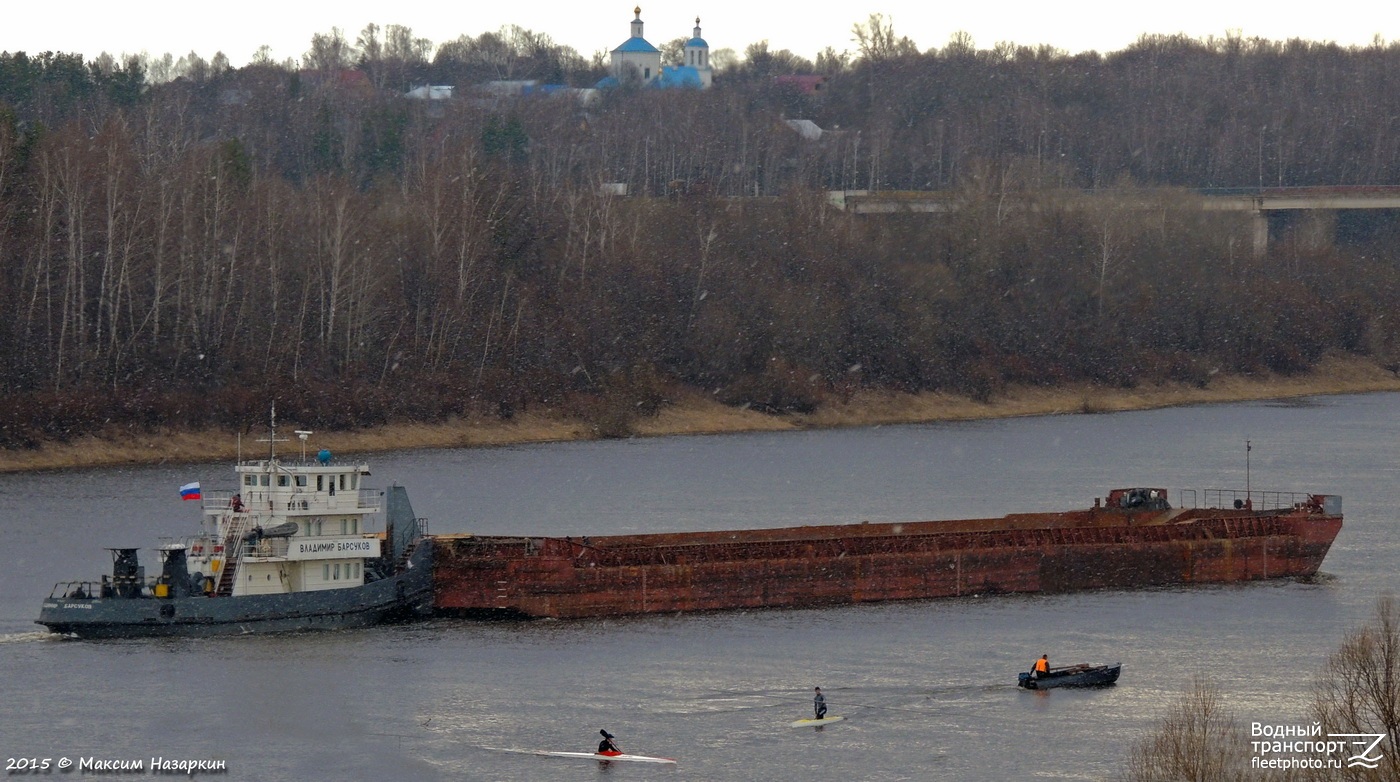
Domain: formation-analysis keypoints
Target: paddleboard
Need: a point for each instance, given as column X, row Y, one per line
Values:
column 591, row 755
column 807, row 723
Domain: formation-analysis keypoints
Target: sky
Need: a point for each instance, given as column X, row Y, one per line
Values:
column 240, row 27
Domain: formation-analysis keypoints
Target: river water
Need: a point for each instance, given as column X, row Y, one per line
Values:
column 927, row 687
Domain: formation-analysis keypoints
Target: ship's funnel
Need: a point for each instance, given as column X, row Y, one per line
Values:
column 127, row 574
column 174, row 571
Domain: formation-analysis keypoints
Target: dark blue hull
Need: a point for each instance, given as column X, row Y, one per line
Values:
column 408, row 594
column 1077, row 676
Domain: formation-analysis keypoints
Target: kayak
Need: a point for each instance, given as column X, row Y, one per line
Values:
column 548, row 753
column 807, row 723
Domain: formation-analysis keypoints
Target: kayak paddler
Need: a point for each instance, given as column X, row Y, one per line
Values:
column 607, row 746
column 819, row 704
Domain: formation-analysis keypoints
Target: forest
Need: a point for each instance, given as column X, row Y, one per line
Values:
column 184, row 242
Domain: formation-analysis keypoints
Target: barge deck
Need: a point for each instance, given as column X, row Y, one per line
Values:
column 1132, row 539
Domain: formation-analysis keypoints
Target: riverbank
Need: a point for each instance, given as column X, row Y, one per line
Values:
column 696, row 413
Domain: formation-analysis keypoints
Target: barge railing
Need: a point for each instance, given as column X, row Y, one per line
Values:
column 1256, row 500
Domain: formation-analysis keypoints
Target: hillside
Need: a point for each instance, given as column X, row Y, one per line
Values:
column 178, row 256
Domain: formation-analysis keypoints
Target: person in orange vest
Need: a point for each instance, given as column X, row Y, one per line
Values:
column 1042, row 667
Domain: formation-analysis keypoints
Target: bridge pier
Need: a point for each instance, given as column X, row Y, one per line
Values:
column 1260, row 222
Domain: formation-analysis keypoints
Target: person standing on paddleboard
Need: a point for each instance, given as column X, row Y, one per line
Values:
column 607, row 746
column 819, row 704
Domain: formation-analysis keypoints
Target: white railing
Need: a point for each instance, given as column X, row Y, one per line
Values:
column 296, row 499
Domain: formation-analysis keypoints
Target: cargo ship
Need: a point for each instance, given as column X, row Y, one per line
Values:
column 1131, row 538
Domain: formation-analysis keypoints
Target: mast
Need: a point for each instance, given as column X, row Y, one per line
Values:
column 1247, row 449
column 272, row 440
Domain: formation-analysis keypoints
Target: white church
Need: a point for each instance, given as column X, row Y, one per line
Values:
column 636, row 61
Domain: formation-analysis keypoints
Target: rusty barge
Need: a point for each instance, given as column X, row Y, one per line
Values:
column 1133, row 538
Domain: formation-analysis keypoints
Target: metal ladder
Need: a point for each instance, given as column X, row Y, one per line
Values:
column 233, row 552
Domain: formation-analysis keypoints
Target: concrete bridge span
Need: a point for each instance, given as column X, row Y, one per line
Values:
column 1259, row 203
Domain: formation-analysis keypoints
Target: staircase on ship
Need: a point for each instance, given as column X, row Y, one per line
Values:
column 233, row 553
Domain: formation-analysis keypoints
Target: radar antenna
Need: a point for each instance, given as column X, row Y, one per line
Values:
column 303, row 434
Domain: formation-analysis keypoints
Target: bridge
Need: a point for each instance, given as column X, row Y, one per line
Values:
column 1258, row 203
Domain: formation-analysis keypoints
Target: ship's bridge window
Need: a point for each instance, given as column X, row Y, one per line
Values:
column 281, row 480
column 344, row 526
column 337, row 572
column 320, row 483
column 301, row 481
column 265, row 480
column 326, row 572
column 354, row 480
column 342, row 482
column 250, row 480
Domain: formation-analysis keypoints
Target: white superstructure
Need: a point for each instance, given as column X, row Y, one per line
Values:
column 292, row 526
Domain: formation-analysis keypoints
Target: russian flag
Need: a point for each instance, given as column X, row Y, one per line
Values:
column 190, row 491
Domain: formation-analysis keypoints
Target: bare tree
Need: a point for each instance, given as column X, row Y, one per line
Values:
column 371, row 48
column 673, row 51
column 877, row 41
column 399, row 44
column 370, row 45
column 723, row 59
column 1197, row 741
column 329, row 51
column 159, row 69
column 830, row 61
column 1359, row 690
column 960, row 44
column 192, row 67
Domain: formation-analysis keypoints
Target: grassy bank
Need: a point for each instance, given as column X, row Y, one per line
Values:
column 698, row 414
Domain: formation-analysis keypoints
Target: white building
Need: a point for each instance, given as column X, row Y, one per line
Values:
column 430, row 92
column 697, row 56
column 636, row 61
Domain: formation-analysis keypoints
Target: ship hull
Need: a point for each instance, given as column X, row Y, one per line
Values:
column 1079, row 676
column 812, row 566
column 404, row 595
